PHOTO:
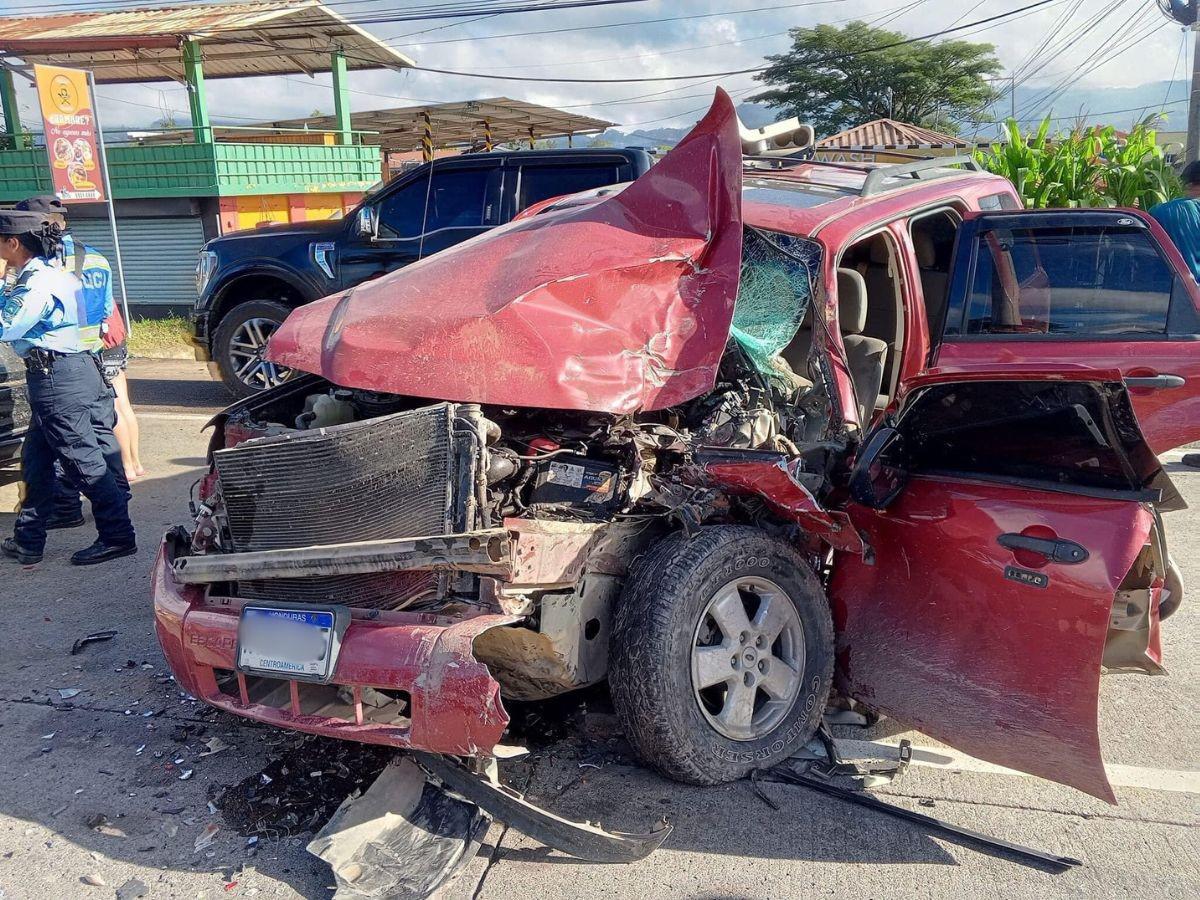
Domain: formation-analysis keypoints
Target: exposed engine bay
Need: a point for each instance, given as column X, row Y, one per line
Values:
column 310, row 465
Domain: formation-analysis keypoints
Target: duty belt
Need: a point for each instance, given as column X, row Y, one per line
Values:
column 42, row 360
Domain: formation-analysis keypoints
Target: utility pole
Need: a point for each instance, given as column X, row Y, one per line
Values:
column 1193, row 129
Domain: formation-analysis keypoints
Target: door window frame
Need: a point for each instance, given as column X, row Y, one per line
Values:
column 963, row 278
column 495, row 191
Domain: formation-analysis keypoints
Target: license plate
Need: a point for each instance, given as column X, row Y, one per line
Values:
column 289, row 642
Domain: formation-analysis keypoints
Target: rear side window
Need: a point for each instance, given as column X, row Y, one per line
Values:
column 999, row 201
column 1090, row 280
column 540, row 183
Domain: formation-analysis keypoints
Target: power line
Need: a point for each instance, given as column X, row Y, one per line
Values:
column 730, row 72
column 1089, row 114
column 411, row 13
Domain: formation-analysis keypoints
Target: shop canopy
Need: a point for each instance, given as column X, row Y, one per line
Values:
column 457, row 124
column 238, row 40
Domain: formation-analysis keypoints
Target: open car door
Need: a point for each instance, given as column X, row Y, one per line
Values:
column 1102, row 288
column 1003, row 514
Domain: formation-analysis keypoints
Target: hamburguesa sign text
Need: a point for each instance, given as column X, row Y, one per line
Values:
column 70, row 124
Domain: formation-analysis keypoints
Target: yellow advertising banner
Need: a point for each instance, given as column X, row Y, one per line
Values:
column 70, row 125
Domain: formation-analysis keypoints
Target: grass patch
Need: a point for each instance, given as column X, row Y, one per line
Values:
column 151, row 337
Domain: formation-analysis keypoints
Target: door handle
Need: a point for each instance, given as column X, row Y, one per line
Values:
column 1054, row 549
column 1155, row 382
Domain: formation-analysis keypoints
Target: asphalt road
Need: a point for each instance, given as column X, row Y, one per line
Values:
column 118, row 748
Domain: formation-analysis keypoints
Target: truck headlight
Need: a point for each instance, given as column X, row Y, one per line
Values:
column 205, row 266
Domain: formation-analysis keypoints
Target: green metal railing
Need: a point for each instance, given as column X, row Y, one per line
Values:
column 159, row 169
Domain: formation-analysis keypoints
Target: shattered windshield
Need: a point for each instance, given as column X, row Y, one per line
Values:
column 774, row 293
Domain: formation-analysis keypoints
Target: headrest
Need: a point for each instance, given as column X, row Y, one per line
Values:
column 924, row 249
column 852, row 301
column 879, row 251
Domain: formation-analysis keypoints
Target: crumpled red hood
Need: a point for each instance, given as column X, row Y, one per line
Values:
column 621, row 305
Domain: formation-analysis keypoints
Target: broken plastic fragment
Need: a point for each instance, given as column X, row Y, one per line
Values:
column 206, row 838
column 214, row 745
column 132, row 889
column 68, row 693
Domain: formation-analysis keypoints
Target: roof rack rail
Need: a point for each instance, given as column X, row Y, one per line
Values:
column 786, row 162
column 921, row 170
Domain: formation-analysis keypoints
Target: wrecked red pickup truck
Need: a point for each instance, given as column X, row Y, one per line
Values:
column 746, row 432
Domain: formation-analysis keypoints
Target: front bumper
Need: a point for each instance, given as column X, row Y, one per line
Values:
column 454, row 703
column 201, row 339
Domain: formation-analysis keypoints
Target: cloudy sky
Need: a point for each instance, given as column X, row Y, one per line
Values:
column 1099, row 43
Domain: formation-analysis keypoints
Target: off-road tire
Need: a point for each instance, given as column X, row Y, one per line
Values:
column 223, row 338
column 650, row 675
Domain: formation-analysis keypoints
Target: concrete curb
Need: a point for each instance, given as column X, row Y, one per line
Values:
column 165, row 353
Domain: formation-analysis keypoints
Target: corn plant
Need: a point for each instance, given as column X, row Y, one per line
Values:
column 1083, row 167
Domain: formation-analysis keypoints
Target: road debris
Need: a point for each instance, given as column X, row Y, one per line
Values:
column 215, row 745
column 206, row 838
column 283, row 800
column 186, row 774
column 68, row 693
column 957, row 833
column 93, row 879
column 400, row 817
column 94, row 638
column 132, row 889
column 100, row 824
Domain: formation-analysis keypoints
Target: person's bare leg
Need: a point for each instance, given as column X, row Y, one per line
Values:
column 126, row 429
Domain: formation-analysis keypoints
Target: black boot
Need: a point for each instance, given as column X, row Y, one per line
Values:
column 101, row 552
column 13, row 550
column 56, row 522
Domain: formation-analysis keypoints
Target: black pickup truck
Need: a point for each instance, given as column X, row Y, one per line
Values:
column 248, row 281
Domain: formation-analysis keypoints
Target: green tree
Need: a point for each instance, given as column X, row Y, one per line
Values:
column 826, row 80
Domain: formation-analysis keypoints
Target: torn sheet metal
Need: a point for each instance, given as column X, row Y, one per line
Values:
column 403, row 838
column 620, row 305
column 775, row 482
column 579, row 839
column 487, row 552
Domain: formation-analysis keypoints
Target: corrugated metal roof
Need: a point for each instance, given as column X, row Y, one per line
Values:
column 887, row 133
column 456, row 123
column 238, row 40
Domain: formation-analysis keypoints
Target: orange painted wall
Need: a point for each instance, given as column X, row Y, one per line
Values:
column 240, row 213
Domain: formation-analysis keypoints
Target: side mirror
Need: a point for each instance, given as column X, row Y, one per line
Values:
column 366, row 221
column 873, row 482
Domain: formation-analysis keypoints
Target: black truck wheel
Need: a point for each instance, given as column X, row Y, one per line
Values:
column 721, row 656
column 239, row 343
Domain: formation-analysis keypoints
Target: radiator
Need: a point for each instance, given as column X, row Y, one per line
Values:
column 389, row 477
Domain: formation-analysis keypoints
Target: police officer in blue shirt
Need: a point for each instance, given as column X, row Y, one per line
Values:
column 71, row 405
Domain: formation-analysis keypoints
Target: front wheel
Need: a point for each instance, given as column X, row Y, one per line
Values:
column 240, row 342
column 721, row 654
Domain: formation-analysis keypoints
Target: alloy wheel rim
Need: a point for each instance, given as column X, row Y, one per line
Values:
column 246, row 349
column 747, row 658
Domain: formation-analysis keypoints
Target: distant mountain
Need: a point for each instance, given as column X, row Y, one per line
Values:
column 753, row 115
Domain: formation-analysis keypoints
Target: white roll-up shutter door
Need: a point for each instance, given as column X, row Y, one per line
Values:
column 159, row 256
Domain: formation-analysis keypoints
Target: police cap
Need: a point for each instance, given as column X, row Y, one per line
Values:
column 16, row 221
column 46, row 204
